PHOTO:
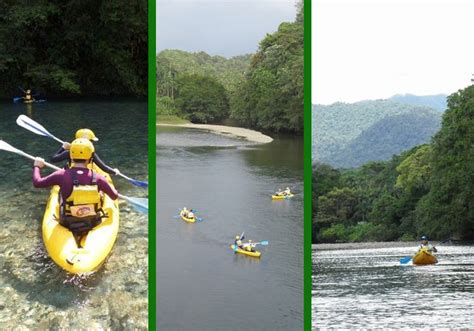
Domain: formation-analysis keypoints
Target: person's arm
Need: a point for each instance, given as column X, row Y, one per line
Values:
column 103, row 166
column 105, row 187
column 48, row 181
column 60, row 155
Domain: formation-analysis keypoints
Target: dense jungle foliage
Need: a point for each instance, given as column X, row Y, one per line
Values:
column 425, row 190
column 349, row 135
column 263, row 91
column 74, row 48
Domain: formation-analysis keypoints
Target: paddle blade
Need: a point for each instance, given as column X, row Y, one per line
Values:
column 7, row 147
column 139, row 183
column 31, row 125
column 264, row 243
column 17, row 99
column 405, row 260
column 139, row 204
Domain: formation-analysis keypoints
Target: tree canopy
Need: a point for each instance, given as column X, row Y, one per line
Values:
column 264, row 90
column 67, row 48
column 425, row 190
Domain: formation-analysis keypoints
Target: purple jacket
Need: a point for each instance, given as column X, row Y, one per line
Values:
column 63, row 178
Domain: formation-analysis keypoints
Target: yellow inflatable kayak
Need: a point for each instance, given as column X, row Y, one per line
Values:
column 282, row 197
column 186, row 219
column 423, row 257
column 96, row 245
column 243, row 251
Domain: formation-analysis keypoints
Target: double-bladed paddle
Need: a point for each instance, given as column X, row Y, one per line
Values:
column 140, row 204
column 35, row 127
column 407, row 259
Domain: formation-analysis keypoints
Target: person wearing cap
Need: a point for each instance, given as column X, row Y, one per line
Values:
column 249, row 246
column 81, row 189
column 238, row 241
column 63, row 153
column 81, row 153
column 426, row 245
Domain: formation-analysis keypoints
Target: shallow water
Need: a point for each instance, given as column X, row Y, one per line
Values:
column 200, row 281
column 369, row 289
column 35, row 293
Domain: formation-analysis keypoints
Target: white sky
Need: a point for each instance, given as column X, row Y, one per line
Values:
column 219, row 27
column 375, row 49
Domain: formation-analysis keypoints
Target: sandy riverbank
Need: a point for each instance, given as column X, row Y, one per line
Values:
column 367, row 245
column 236, row 132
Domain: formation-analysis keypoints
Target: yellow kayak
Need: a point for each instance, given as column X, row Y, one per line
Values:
column 423, row 256
column 186, row 219
column 96, row 245
column 243, row 251
column 282, row 197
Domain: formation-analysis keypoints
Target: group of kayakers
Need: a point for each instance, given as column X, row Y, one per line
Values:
column 283, row 193
column 248, row 246
column 81, row 187
column 188, row 213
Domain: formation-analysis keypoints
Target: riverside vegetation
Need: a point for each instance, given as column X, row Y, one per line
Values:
column 424, row 190
column 74, row 48
column 262, row 91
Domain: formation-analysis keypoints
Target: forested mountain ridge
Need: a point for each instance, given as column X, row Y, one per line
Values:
column 426, row 190
column 349, row 135
column 437, row 101
column 262, row 91
column 228, row 72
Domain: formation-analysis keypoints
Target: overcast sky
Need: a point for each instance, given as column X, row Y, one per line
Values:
column 219, row 27
column 375, row 49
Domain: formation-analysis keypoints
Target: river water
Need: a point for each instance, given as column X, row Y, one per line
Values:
column 367, row 288
column 201, row 284
column 35, row 293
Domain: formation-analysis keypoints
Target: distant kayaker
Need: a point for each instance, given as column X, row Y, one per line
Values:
column 426, row 245
column 190, row 214
column 185, row 212
column 238, row 241
column 80, row 188
column 63, row 153
column 287, row 191
column 28, row 97
column 249, row 246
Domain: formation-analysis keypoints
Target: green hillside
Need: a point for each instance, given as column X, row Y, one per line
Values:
column 349, row 135
column 424, row 190
column 262, row 91
column 228, row 72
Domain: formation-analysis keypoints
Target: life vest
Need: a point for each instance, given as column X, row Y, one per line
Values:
column 28, row 96
column 82, row 211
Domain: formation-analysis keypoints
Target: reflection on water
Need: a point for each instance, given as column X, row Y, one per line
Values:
column 367, row 288
column 200, row 281
column 35, row 293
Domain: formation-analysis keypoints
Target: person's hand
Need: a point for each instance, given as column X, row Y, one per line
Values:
column 39, row 162
column 66, row 146
column 117, row 172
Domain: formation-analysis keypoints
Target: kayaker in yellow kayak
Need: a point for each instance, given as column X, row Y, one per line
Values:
column 188, row 213
column 63, row 153
column 249, row 246
column 426, row 245
column 80, row 188
column 285, row 192
column 238, row 241
column 28, row 97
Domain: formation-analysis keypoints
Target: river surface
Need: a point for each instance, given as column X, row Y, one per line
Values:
column 369, row 289
column 35, row 293
column 201, row 284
